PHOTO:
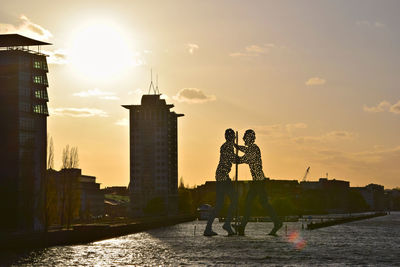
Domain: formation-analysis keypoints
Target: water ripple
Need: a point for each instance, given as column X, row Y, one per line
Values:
column 367, row 243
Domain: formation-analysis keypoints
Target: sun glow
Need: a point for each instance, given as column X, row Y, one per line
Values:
column 101, row 51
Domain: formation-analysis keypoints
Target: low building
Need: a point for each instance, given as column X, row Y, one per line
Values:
column 76, row 196
column 324, row 183
column 117, row 190
column 373, row 194
column 116, row 201
column 92, row 199
column 392, row 199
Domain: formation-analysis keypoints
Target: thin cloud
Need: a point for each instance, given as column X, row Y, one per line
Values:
column 289, row 133
column 58, row 57
column 395, row 108
column 315, row 81
column 122, row 122
column 26, row 27
column 238, row 54
column 342, row 135
column 294, row 126
column 109, row 97
column 384, row 106
column 78, row 112
column 366, row 23
column 193, row 95
column 279, row 131
column 192, row 47
column 381, row 107
column 327, row 137
column 371, row 161
column 254, row 50
column 137, row 91
column 97, row 93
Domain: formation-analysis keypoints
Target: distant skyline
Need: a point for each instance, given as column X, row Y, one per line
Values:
column 317, row 81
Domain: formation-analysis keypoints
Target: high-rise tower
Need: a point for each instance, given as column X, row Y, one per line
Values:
column 153, row 156
column 23, row 132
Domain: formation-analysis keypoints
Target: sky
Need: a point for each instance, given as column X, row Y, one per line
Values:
column 317, row 81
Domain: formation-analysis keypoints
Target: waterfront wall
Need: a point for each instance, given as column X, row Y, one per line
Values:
column 86, row 233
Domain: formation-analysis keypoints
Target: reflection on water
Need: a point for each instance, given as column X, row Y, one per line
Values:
column 368, row 242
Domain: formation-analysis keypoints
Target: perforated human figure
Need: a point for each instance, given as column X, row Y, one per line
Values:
column 252, row 156
column 224, row 184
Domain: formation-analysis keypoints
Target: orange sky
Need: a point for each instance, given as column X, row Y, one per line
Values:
column 318, row 82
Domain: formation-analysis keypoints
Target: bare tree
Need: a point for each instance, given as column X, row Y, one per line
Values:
column 70, row 191
column 65, row 158
column 50, row 200
column 181, row 184
column 50, row 160
column 74, row 158
column 70, row 158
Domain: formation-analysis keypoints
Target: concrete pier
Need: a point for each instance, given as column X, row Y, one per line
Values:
column 312, row 226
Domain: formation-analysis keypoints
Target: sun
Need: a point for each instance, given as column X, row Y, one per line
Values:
column 100, row 51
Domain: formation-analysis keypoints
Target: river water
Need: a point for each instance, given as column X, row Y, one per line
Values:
column 372, row 242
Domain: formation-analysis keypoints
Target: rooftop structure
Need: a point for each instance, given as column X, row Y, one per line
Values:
column 16, row 40
column 21, row 43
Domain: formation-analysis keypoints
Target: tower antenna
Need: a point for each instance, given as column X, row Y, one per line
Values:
column 151, row 87
column 157, row 91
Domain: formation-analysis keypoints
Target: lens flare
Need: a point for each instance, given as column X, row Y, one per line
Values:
column 297, row 240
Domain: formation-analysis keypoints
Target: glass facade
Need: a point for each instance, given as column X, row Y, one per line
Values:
column 23, row 115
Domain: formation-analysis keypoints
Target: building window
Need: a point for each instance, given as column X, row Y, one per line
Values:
column 24, row 91
column 25, row 107
column 26, row 139
column 40, row 109
column 41, row 94
column 40, row 79
column 26, row 124
column 40, row 65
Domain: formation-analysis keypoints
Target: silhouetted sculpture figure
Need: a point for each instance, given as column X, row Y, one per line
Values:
column 252, row 157
column 224, row 184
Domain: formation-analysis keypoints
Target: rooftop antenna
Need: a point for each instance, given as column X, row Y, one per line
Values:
column 157, row 91
column 305, row 175
column 151, row 87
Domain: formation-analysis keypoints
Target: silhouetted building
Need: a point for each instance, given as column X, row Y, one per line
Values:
column 116, row 201
column 373, row 194
column 92, row 198
column 324, row 183
column 334, row 184
column 393, row 202
column 77, row 196
column 153, row 156
column 117, row 190
column 23, row 134
column 283, row 186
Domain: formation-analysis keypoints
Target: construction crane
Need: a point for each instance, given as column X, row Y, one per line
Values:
column 305, row 175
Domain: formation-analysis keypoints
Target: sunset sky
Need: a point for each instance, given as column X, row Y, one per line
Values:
column 317, row 80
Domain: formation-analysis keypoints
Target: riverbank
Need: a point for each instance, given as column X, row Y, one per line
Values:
column 81, row 234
